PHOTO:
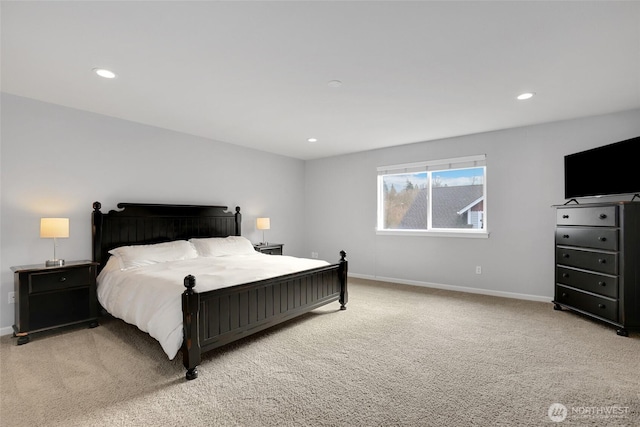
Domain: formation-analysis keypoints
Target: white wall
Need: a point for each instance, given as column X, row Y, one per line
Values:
column 57, row 161
column 524, row 179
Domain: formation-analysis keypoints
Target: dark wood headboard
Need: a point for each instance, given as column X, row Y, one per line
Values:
column 140, row 223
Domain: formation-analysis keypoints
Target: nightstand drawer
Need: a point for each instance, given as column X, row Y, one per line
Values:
column 269, row 248
column 63, row 279
column 597, row 238
column 600, row 216
column 272, row 251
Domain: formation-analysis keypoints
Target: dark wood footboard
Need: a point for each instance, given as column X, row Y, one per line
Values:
column 215, row 318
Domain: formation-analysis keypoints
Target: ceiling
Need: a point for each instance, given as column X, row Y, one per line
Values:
column 256, row 73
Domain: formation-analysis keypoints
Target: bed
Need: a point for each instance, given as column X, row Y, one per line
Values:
column 211, row 316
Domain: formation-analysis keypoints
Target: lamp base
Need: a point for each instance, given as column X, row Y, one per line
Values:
column 54, row 263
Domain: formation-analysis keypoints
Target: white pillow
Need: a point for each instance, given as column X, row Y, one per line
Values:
column 223, row 246
column 139, row 255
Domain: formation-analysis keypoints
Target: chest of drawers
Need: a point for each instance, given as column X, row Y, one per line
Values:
column 597, row 262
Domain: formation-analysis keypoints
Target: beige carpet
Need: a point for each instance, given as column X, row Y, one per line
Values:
column 399, row 356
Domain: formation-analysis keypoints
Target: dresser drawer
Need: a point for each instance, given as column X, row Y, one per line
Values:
column 52, row 280
column 590, row 260
column 604, row 216
column 598, row 306
column 597, row 238
column 592, row 282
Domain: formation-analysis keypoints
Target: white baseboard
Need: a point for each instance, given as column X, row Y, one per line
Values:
column 454, row 288
column 6, row 331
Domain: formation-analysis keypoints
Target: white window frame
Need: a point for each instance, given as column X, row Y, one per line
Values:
column 432, row 166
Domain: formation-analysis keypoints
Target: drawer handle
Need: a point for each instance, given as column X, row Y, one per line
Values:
column 62, row 279
column 564, row 295
column 565, row 255
column 565, row 216
column 602, row 306
column 565, row 275
column 603, row 216
column 602, row 283
column 602, row 260
column 602, row 239
column 565, row 236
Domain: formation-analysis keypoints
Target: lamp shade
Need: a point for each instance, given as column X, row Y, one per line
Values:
column 54, row 227
column 263, row 224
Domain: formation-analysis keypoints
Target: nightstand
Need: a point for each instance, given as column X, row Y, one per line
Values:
column 269, row 248
column 54, row 297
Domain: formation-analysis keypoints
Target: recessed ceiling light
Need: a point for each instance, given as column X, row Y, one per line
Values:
column 312, row 139
column 525, row 95
column 334, row 83
column 102, row 72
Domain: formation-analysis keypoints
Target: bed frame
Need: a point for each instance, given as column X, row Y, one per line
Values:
column 215, row 318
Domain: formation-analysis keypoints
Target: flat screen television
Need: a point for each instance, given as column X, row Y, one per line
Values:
column 608, row 170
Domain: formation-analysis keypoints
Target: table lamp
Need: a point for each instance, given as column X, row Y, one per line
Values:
column 54, row 228
column 263, row 224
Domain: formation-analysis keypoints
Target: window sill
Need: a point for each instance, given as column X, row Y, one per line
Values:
column 480, row 234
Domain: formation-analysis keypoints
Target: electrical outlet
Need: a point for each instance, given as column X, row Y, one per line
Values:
column 12, row 298
column 314, row 255
column 478, row 269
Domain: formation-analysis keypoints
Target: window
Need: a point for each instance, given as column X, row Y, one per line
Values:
column 437, row 196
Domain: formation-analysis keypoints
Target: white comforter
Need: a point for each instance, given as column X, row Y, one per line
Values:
column 150, row 296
